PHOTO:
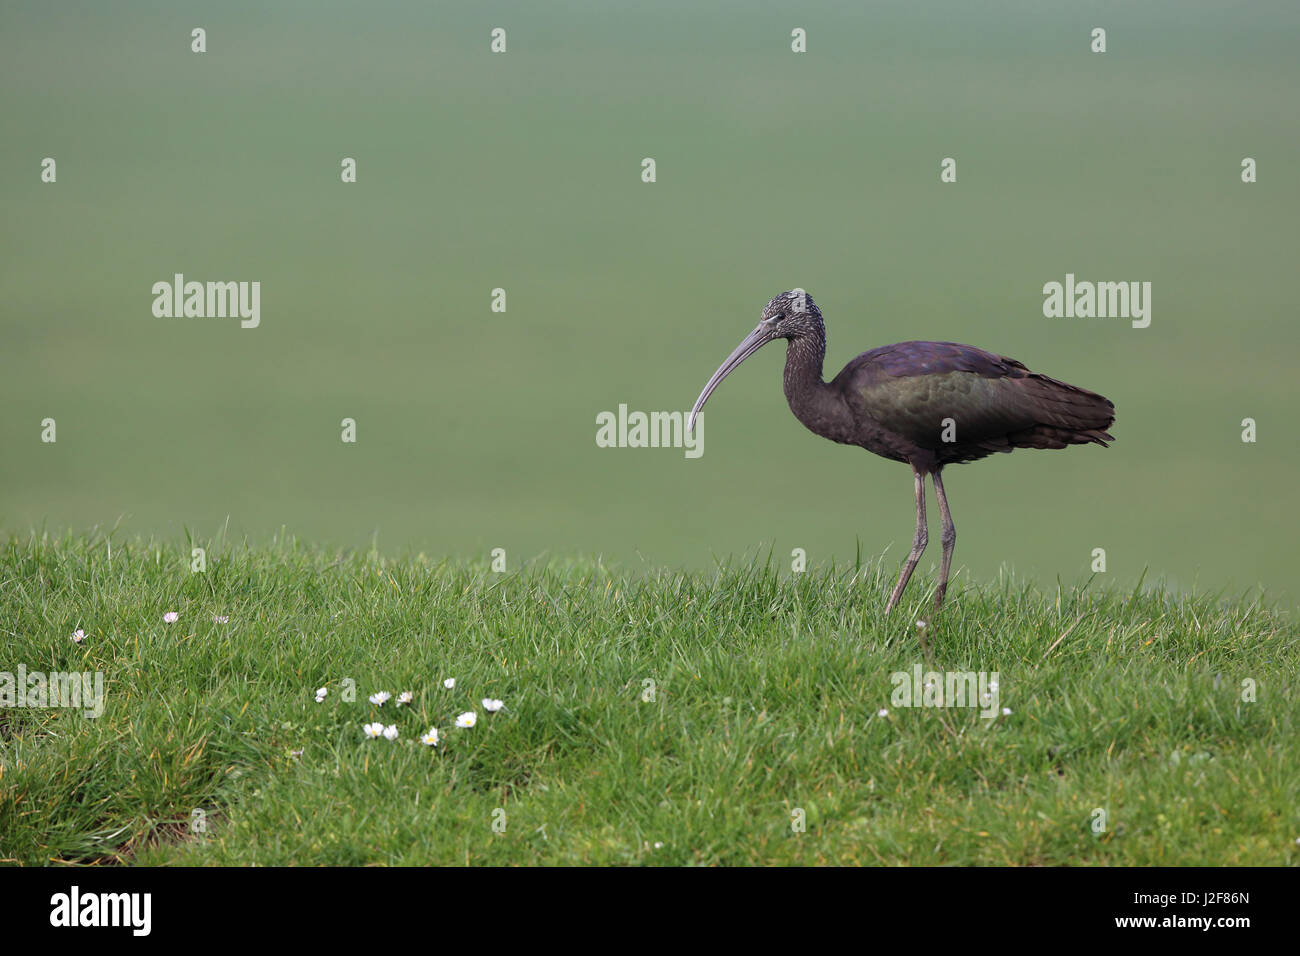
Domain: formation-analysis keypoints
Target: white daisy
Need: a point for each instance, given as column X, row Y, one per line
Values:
column 449, row 683
column 492, row 706
column 467, row 719
column 431, row 738
column 390, row 732
column 379, row 699
column 374, row 730
column 405, row 698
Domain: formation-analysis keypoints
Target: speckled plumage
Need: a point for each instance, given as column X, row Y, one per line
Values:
column 928, row 404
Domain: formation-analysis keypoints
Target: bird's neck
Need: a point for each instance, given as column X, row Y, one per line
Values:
column 813, row 401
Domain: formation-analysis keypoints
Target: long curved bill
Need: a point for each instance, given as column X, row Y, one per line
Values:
column 753, row 342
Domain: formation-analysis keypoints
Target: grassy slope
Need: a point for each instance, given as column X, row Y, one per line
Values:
column 767, row 688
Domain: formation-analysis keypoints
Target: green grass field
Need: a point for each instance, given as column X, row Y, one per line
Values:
column 766, row 692
column 522, row 171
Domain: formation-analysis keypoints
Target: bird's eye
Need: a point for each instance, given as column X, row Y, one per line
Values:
column 774, row 318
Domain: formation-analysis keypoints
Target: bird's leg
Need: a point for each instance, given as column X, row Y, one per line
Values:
column 918, row 542
column 948, row 538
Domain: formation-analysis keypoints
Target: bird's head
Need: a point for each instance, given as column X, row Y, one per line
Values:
column 789, row 315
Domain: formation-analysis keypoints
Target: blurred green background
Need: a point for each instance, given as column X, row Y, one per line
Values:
column 477, row 429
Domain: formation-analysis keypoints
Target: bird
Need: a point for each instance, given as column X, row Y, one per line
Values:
column 926, row 404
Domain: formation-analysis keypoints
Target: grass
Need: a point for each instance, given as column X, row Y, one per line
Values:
column 766, row 688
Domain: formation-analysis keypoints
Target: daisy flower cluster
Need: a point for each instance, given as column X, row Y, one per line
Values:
column 377, row 729
column 373, row 730
column 169, row 617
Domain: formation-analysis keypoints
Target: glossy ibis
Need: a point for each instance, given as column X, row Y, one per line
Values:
column 928, row 404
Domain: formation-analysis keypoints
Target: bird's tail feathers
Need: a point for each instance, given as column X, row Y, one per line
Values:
column 1068, row 415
